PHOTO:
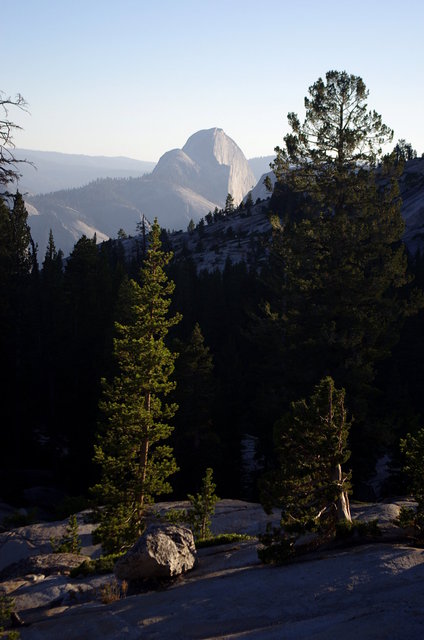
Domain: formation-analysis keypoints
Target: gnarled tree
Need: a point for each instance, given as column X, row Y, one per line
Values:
column 309, row 485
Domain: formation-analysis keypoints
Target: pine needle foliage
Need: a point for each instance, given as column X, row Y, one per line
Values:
column 309, row 485
column 135, row 466
column 203, row 507
column 70, row 542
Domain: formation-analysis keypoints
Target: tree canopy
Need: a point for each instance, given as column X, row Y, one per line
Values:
column 309, row 484
column 338, row 136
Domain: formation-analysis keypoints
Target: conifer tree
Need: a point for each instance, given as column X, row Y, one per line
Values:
column 203, row 506
column 338, row 137
column 196, row 441
column 18, row 330
column 229, row 204
column 309, row 485
column 338, row 269
column 134, row 465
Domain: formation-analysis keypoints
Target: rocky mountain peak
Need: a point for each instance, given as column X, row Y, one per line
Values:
column 210, row 147
column 186, row 184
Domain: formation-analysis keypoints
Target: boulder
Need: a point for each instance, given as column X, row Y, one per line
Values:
column 163, row 551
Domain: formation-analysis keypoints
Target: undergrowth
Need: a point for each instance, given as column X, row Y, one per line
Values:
column 101, row 565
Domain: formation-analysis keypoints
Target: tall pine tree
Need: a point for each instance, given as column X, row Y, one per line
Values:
column 338, row 270
column 134, row 465
column 196, row 442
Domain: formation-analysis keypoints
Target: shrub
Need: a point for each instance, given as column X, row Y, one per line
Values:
column 6, row 609
column 70, row 542
column 113, row 591
column 345, row 529
column 222, row 538
column 203, row 507
column 101, row 565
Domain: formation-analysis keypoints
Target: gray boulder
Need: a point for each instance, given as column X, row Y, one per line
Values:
column 163, row 551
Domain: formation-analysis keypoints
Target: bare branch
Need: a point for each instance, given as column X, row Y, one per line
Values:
column 8, row 162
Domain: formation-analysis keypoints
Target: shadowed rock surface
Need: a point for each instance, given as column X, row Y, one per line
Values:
column 366, row 591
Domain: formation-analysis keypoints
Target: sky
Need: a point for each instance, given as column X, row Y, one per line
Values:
column 137, row 77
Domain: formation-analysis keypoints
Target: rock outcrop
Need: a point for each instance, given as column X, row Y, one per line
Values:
column 163, row 551
column 45, row 564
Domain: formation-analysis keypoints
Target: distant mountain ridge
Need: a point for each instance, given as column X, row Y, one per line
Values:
column 185, row 184
column 55, row 171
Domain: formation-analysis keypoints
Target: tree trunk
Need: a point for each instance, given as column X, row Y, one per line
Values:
column 144, row 454
column 342, row 503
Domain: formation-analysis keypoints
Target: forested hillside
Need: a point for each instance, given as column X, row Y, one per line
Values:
column 327, row 292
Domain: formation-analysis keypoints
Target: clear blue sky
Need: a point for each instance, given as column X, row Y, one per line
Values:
column 137, row 77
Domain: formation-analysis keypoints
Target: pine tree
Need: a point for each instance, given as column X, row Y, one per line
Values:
column 196, row 441
column 229, row 204
column 18, row 325
column 134, row 466
column 203, row 507
column 309, row 484
column 338, row 137
column 338, row 269
column 90, row 289
column 70, row 542
column 53, row 336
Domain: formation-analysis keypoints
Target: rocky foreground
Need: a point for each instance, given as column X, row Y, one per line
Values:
column 372, row 590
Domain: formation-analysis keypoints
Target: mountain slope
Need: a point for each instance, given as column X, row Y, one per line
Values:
column 186, row 183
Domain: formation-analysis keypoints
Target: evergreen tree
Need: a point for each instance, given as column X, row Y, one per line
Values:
column 338, row 270
column 309, row 484
column 249, row 203
column 229, row 204
column 90, row 288
column 403, row 151
column 134, row 466
column 196, row 442
column 53, row 336
column 18, row 314
column 338, row 137
column 203, row 507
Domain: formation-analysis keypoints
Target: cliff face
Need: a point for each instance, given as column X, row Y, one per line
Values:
column 210, row 164
column 186, row 183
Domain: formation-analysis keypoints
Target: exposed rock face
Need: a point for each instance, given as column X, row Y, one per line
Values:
column 43, row 564
column 220, row 159
column 161, row 552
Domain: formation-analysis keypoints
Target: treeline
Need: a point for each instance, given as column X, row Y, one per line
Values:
column 234, row 374
column 57, row 344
